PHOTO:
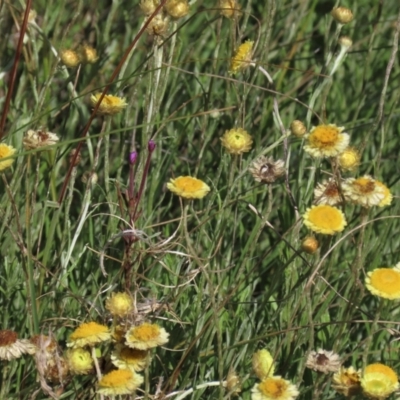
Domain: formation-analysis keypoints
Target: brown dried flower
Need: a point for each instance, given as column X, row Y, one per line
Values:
column 323, row 361
column 266, row 170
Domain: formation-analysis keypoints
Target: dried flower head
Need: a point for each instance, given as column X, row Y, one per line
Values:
column 310, row 245
column 326, row 141
column 87, row 54
column 298, row 129
column 233, row 383
column 70, row 58
column 146, row 336
column 263, row 364
column 188, row 187
column 363, row 191
column 56, row 370
column 38, row 139
column 347, row 381
column 6, row 151
column 266, row 170
column 44, row 343
column 119, row 304
column 324, row 219
column 159, row 25
column 230, row 9
column 124, row 357
column 79, row 361
column 110, row 105
column 177, row 8
column 342, row 15
column 327, row 192
column 237, row 141
column 379, row 381
column 242, row 57
column 349, row 159
column 323, row 361
column 90, row 334
column 274, row 388
column 384, row 282
column 11, row 347
column 119, row 382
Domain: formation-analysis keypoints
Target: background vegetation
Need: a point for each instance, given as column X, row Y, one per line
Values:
column 230, row 279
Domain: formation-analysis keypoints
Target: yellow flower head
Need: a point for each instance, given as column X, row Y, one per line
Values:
column 110, row 105
column 88, row 54
column 119, row 304
column 328, row 193
column 5, row 152
column 188, row 187
column 388, row 197
column 384, row 282
column 326, row 141
column 11, row 347
column 349, row 159
column 379, row 381
column 146, row 336
column 347, row 381
column 40, row 138
column 263, row 364
column 148, row 6
column 230, row 8
column 310, row 245
column 342, row 15
column 237, row 141
column 363, row 191
column 90, row 334
column 242, row 58
column 177, row 8
column 70, row 58
column 274, row 388
column 119, row 382
column 324, row 361
column 79, row 361
column 324, row 219
column 126, row 358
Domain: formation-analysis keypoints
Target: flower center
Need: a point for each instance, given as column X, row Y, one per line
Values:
column 326, row 217
column 387, row 280
column 7, row 337
column 364, row 185
column 116, row 378
column 273, row 387
column 88, row 329
column 146, row 332
column 324, row 136
column 188, row 185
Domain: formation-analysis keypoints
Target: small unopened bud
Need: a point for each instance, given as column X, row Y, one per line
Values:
column 151, row 145
column 70, row 58
column 177, row 8
column 263, row 364
column 148, row 6
column 232, row 383
column 158, row 26
column 133, row 157
column 298, row 128
column 310, row 245
column 342, row 15
column 88, row 54
column 345, row 41
column 349, row 159
column 230, row 8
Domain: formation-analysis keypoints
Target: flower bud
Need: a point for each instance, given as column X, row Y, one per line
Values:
column 263, row 364
column 88, row 54
column 70, row 58
column 230, row 8
column 345, row 42
column 177, row 8
column 133, row 157
column 342, row 15
column 310, row 245
column 151, row 145
column 298, row 128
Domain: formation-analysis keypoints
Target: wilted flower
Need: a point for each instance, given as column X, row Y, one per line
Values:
column 11, row 347
column 177, row 8
column 327, row 192
column 127, row 358
column 88, row 54
column 148, row 6
column 266, row 170
column 159, row 25
column 342, row 15
column 310, row 245
column 347, row 381
column 298, row 129
column 323, row 361
column 232, row 383
column 40, row 138
column 384, row 282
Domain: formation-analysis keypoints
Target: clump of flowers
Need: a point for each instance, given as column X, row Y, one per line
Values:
column 347, row 381
column 88, row 334
column 119, row 304
column 328, row 193
column 242, row 57
column 274, row 388
column 119, row 382
column 342, row 15
column 230, row 8
column 365, row 191
column 146, row 336
column 38, row 139
column 70, row 58
column 266, row 170
column 110, row 105
column 379, row 381
column 237, row 141
column 326, row 141
column 323, row 361
column 11, row 347
column 324, row 219
column 6, row 151
column 188, row 187
column 384, row 282
column 349, row 160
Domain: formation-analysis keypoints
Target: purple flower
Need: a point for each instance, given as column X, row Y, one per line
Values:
column 151, row 145
column 133, row 157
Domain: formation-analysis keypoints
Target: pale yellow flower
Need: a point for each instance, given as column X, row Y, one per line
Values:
column 364, row 191
column 230, row 8
column 119, row 304
column 110, row 105
column 274, row 388
column 324, row 219
column 342, row 15
column 384, row 282
column 90, row 333
column 70, row 58
column 388, row 197
column 237, row 141
column 177, row 8
column 242, row 57
column 5, row 152
column 119, row 382
column 146, row 336
column 349, row 159
column 379, row 381
column 188, row 187
column 263, row 364
column 80, row 361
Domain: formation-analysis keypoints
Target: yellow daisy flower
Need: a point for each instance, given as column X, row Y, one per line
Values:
column 90, row 334
column 328, row 193
column 347, row 381
column 5, row 152
column 237, row 141
column 110, row 105
column 146, row 336
column 119, row 304
column 40, row 138
column 11, row 347
column 384, row 282
column 263, row 364
column 363, row 191
column 274, row 388
column 188, row 187
column 324, row 361
column 326, row 141
column 79, row 361
column 379, row 381
column 242, row 57
column 126, row 358
column 324, row 219
column 388, row 197
column 119, row 382
column 349, row 159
